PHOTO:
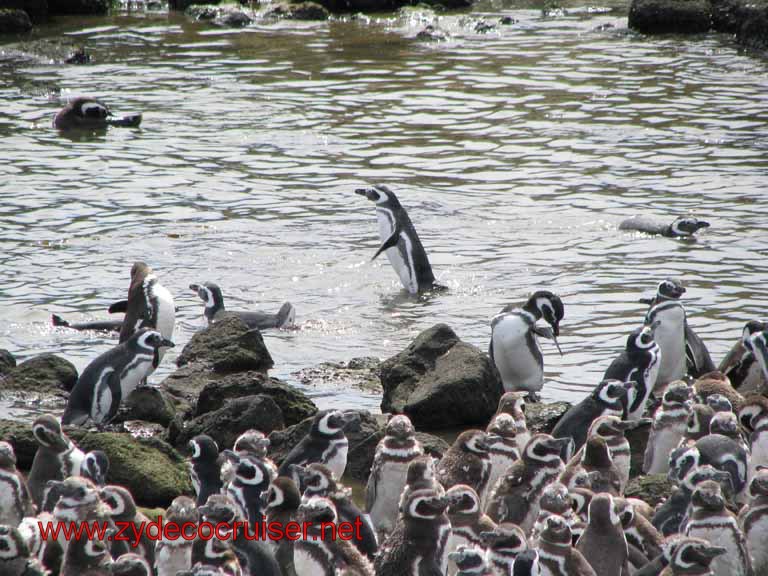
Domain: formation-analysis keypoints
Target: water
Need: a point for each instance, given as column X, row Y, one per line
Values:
column 517, row 153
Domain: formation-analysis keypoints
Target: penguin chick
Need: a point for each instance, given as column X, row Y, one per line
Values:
column 130, row 565
column 203, row 467
column 95, row 467
column 692, row 556
column 123, row 510
column 669, row 425
column 638, row 530
column 86, row 558
column 513, row 403
column 467, row 519
column 421, row 475
column 211, row 551
column 15, row 498
column 469, row 562
column 467, row 462
column 175, row 555
column 612, row 429
column 754, row 521
column 281, row 505
column 717, row 383
column 555, row 499
column 14, row 554
column 597, row 462
column 504, row 543
column 604, row 532
column 557, row 557
column 503, row 451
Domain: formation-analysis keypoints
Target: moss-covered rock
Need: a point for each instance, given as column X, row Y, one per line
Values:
column 665, row 16
column 651, row 488
column 46, row 373
column 19, row 434
column 149, row 404
column 541, row 417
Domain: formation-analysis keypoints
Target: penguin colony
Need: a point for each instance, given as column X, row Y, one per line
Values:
column 501, row 501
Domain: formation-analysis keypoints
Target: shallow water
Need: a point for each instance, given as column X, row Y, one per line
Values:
column 517, row 153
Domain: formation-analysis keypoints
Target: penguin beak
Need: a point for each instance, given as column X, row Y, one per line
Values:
column 647, row 301
column 367, row 192
column 702, row 224
column 194, row 287
column 713, row 551
column 549, row 333
column 167, row 343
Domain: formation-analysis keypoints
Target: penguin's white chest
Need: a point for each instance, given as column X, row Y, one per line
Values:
column 172, row 559
column 519, row 368
column 756, row 543
column 663, row 441
column 335, row 456
column 305, row 563
column 670, row 336
column 403, row 265
column 732, row 562
column 134, row 373
column 390, row 486
column 500, row 461
column 10, row 490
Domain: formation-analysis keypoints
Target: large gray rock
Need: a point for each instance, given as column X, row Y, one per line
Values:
column 440, row 382
column 227, row 346
column 232, row 419
column 666, row 16
column 753, row 32
column 46, row 373
column 298, row 11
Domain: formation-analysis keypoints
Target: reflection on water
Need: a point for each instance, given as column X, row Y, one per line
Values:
column 516, row 152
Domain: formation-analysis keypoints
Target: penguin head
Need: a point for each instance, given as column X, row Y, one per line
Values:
column 682, row 460
column 719, row 403
column 611, row 394
column 203, row 448
column 687, row 225
column 512, row 403
column 218, row 508
column 12, row 545
column 502, row 425
column 506, row 537
column 758, row 486
column 752, row 327
column 332, row 422
column 473, row 441
column 76, row 491
column 380, row 195
column 754, row 412
column 468, row 560
column 214, row 551
column 602, row 511
column 82, row 112
column 251, row 472
column 95, row 467
column 119, row 500
column 642, row 339
column 318, row 479
column 7, row 456
column 543, row 448
column 556, row 531
column 318, row 510
column 282, row 494
column 694, row 555
column 424, row 504
column 149, row 339
column 544, row 304
column 708, row 472
column 130, row 564
column 596, row 453
column 669, row 289
column 462, row 500
column 580, row 499
column 47, row 431
column 708, row 496
column 210, row 294
column 399, row 426
column 253, row 442
column 725, row 423
column 698, row 421
column 182, row 509
column 624, row 511
column 609, row 426
column 421, row 470
column 677, row 394
column 556, row 499
column 757, row 345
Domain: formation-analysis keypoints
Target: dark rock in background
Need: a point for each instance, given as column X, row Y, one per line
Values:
column 46, row 373
column 541, row 417
column 78, row 6
column 37, row 10
column 664, row 16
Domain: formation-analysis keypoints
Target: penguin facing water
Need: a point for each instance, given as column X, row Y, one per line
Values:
column 213, row 298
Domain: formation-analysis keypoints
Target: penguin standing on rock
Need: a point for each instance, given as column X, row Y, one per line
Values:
column 467, row 461
column 213, row 299
column 111, row 377
column 514, row 349
column 400, row 241
column 149, row 305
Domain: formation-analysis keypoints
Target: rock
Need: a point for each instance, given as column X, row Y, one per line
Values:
column 541, row 417
column 44, row 373
column 300, row 11
column 753, row 32
column 651, row 488
column 227, row 346
column 78, row 6
column 37, row 10
column 670, row 16
column 206, row 11
column 19, row 434
column 185, row 385
column 149, row 404
column 7, row 361
column 293, row 404
column 232, row 419
column 233, row 18
column 362, row 373
column 440, row 382
column 14, row 21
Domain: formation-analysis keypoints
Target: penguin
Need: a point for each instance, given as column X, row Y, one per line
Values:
column 421, row 475
column 513, row 403
column 609, row 398
column 669, row 319
column 318, row 480
column 95, row 467
column 204, row 467
column 597, row 462
column 526, row 564
column 14, row 554
column 698, row 423
column 85, row 557
column 325, row 444
column 740, row 366
column 56, row 458
column 214, row 552
column 112, row 376
column 252, row 477
column 638, row 530
column 503, row 451
column 149, row 305
column 85, row 113
column 757, row 345
column 503, row 544
column 416, row 547
column 727, row 424
column 692, row 556
column 515, row 498
column 394, row 453
column 514, row 349
column 467, row 462
column 467, row 519
column 281, row 504
column 604, row 532
column 638, row 365
column 754, row 417
column 555, row 499
column 322, row 554
column 15, row 498
column 754, row 521
column 669, row 425
column 123, row 510
column 96, row 326
column 250, row 443
column 712, row 521
column 719, row 403
column 130, row 565
column 213, row 299
column 612, row 430
column 469, row 561
column 400, row 241
column 681, row 227
column 717, row 384
column 557, row 557
column 173, row 555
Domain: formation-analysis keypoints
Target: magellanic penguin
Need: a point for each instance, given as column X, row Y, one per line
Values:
column 56, row 458
column 609, row 398
column 173, row 555
column 604, row 533
column 468, row 521
column 503, row 544
column 15, row 498
column 612, row 429
column 698, row 423
column 85, row 113
column 123, row 511
column 754, row 417
column 322, row 552
column 640, row 534
column 669, row 320
column 708, row 387
column 416, row 547
column 86, row 557
column 204, row 467
column 252, row 478
column 669, row 425
column 394, row 453
column 690, row 557
column 250, row 443
column 638, row 366
column 421, row 475
column 14, row 554
column 503, row 450
column 757, row 345
column 515, row 498
column 213, row 299
column 215, row 552
column 95, row 467
column 111, row 377
column 526, row 564
column 741, row 366
column 400, row 241
column 555, row 499
column 680, row 227
column 130, row 565
column 468, row 561
column 753, row 519
column 325, row 443
column 557, row 556
column 97, row 326
column 514, row 347
column 596, row 461
column 513, row 403
column 281, row 505
column 712, row 521
column 467, row 462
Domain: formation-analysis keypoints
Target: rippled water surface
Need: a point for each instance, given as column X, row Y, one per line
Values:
column 516, row 152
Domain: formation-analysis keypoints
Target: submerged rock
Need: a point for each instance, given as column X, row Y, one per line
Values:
column 440, row 382
column 299, row 11
column 45, row 373
column 666, row 16
column 14, row 21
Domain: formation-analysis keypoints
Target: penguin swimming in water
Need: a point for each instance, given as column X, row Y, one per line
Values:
column 400, row 241
column 111, row 377
column 681, row 227
column 97, row 325
column 514, row 347
column 86, row 113
column 213, row 299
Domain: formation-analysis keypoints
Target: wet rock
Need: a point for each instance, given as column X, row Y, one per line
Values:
column 232, row 419
column 46, row 373
column 78, row 6
column 670, row 16
column 185, row 385
column 149, row 404
column 440, row 382
column 19, row 434
column 299, row 11
column 233, row 18
column 37, row 10
column 753, row 32
column 507, row 21
column 7, row 361
column 293, row 404
column 431, row 33
column 14, row 21
column 201, row 11
column 651, row 488
column 362, row 373
column 731, row 16
column 227, row 346
column 542, row 417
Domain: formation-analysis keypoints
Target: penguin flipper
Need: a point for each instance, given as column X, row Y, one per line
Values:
column 390, row 242
column 119, row 306
column 370, row 488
